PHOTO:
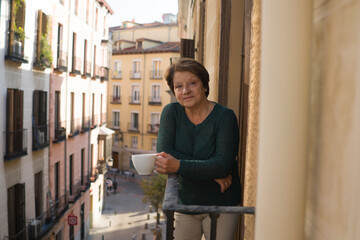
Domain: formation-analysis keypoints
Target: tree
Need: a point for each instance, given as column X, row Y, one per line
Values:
column 154, row 190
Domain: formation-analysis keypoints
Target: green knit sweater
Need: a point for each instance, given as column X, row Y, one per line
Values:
column 206, row 151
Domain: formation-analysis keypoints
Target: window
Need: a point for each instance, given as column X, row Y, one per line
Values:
column 117, row 69
column 95, row 68
column 76, row 2
column 93, row 120
column 76, row 62
column 16, row 37
column 102, row 115
column 134, row 121
column 96, row 18
column 15, row 134
column 134, row 141
column 87, row 64
column 135, row 94
column 155, row 94
column 87, row 11
column 135, row 69
column 82, row 180
column 116, row 94
column 72, row 113
column 154, row 123
column 61, row 56
column 82, row 221
column 71, row 232
column 105, row 26
column 16, row 211
column 39, row 120
column 116, row 119
column 84, row 120
column 43, row 49
column 59, row 127
column 57, row 180
column 71, row 175
column 187, row 48
column 156, row 69
column 153, row 144
column 38, row 194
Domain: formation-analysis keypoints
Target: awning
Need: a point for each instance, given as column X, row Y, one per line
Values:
column 104, row 131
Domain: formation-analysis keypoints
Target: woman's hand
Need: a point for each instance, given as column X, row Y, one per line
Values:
column 224, row 183
column 165, row 163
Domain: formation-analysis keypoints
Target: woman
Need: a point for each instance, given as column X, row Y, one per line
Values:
column 198, row 139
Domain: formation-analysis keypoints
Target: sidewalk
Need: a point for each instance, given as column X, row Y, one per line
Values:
column 125, row 215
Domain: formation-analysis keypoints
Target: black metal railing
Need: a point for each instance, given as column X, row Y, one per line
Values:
column 60, row 205
column 75, row 192
column 116, row 74
column 40, row 137
column 85, row 183
column 16, row 144
column 153, row 128
column 95, row 121
column 76, row 65
column 104, row 74
column 18, row 236
column 133, row 126
column 96, row 71
column 135, row 100
column 157, row 74
column 116, row 99
column 135, row 74
column 85, row 124
column 60, row 131
column 154, row 100
column 171, row 205
column 15, row 48
column 75, row 127
column 61, row 63
column 87, row 69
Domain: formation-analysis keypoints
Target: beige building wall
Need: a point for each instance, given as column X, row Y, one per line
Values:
column 167, row 33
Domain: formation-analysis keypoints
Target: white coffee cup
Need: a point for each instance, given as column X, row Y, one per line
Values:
column 144, row 163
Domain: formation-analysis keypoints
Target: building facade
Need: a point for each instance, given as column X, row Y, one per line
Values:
column 138, row 92
column 55, row 139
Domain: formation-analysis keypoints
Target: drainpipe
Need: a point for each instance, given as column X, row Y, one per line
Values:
column 283, row 130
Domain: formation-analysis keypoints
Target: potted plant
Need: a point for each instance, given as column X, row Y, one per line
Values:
column 45, row 52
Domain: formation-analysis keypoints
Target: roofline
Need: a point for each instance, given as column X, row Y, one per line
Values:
column 145, row 51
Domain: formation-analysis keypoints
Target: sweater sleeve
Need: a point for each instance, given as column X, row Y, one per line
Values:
column 167, row 133
column 220, row 164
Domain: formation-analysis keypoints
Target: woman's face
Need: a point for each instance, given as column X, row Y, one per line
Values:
column 188, row 89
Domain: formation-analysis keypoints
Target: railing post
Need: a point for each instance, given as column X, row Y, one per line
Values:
column 169, row 225
column 214, row 217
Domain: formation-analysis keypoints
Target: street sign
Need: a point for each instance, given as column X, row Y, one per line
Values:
column 72, row 219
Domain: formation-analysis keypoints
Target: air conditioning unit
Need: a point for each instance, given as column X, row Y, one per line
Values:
column 35, row 229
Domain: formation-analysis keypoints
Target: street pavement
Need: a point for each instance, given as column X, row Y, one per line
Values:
column 125, row 216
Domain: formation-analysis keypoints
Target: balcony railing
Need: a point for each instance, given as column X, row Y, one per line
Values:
column 116, row 74
column 114, row 125
column 61, row 63
column 87, row 69
column 133, row 127
column 135, row 100
column 16, row 144
column 85, row 183
column 115, row 99
column 85, row 124
column 15, row 48
column 19, row 235
column 75, row 127
column 156, row 74
column 60, row 131
column 40, row 136
column 135, row 74
column 60, row 205
column 154, row 100
column 76, row 65
column 153, row 128
column 171, row 205
column 95, row 121
column 75, row 192
column 103, row 119
column 104, row 74
column 96, row 71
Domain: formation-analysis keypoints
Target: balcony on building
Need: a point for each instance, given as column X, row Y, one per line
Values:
column 116, row 74
column 135, row 74
column 60, row 131
column 116, row 99
column 15, row 51
column 85, row 124
column 85, row 183
column 171, row 204
column 154, row 100
column 133, row 127
column 156, row 74
column 103, row 119
column 153, row 128
column 104, row 74
column 75, row 127
column 87, row 69
column 96, row 72
column 16, row 144
column 76, row 66
column 61, row 61
column 40, row 137
column 95, row 121
column 134, row 100
column 74, row 192
column 115, row 125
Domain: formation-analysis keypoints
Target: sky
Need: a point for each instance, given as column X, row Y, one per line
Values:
column 142, row 11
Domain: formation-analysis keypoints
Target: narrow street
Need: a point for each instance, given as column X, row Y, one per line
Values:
column 125, row 216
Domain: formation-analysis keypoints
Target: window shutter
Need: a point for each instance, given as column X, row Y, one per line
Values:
column 187, row 48
column 38, row 39
column 11, row 28
column 42, row 108
column 36, row 108
column 11, row 211
column 20, row 209
column 18, row 120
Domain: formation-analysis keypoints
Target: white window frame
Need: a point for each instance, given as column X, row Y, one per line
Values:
column 155, row 95
column 117, row 69
column 116, row 97
column 134, row 142
column 136, row 68
column 156, row 70
column 135, row 93
column 115, row 122
column 132, row 122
